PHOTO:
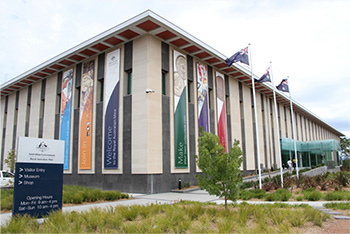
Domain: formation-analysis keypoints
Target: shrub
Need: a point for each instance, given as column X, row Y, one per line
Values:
column 338, row 206
column 6, row 199
column 297, row 218
column 279, row 195
column 258, row 193
column 346, row 165
column 343, row 178
column 337, row 196
column 249, row 184
column 277, row 215
column 79, row 194
column 312, row 195
column 309, row 182
column 315, row 216
column 253, row 193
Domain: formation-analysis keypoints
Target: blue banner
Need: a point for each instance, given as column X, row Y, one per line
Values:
column 111, row 131
column 66, row 103
column 111, row 110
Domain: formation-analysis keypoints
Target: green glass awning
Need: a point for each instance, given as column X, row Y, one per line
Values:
column 314, row 147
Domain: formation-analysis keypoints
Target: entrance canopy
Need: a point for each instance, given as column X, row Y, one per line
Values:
column 314, row 147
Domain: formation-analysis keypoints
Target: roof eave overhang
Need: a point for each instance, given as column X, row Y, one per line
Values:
column 146, row 23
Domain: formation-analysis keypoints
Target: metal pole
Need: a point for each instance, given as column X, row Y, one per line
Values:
column 277, row 127
column 256, row 119
column 295, row 142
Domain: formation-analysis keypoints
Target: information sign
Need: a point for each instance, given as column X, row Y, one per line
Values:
column 38, row 177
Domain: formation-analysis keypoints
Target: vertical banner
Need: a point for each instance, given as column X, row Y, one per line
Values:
column 111, row 110
column 202, row 91
column 86, row 105
column 66, row 104
column 180, row 110
column 221, row 109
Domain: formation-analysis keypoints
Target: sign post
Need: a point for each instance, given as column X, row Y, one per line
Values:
column 39, row 177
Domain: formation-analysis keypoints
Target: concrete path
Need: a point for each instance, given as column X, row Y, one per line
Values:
column 172, row 197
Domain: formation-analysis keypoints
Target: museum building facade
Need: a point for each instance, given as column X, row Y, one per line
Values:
column 130, row 101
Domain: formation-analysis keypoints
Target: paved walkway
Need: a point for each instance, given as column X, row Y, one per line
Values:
column 170, row 198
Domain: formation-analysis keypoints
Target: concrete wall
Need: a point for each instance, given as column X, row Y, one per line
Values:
column 22, row 111
column 320, row 171
column 50, row 107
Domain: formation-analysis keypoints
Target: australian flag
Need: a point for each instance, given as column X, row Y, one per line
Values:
column 283, row 86
column 265, row 77
column 240, row 56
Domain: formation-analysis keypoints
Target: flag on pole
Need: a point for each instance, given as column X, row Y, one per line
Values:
column 265, row 77
column 283, row 86
column 240, row 56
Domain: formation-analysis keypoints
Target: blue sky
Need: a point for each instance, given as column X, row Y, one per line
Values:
column 307, row 40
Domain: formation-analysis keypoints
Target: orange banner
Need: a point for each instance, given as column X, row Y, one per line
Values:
column 86, row 105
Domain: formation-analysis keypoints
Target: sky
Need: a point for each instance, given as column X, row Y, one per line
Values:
column 307, row 40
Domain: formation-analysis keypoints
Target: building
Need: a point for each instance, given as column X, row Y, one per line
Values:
column 129, row 103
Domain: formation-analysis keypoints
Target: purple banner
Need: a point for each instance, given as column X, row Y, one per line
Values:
column 202, row 91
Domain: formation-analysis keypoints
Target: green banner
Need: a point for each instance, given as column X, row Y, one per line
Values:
column 180, row 110
column 181, row 159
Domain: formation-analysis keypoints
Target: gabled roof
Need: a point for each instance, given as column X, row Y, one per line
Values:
column 146, row 23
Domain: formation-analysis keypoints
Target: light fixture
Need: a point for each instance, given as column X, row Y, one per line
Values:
column 149, row 91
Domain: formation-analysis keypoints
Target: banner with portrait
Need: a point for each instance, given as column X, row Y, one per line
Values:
column 180, row 110
column 66, row 106
column 221, row 109
column 202, row 99
column 86, row 112
column 111, row 110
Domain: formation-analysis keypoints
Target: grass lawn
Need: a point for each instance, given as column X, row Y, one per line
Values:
column 182, row 217
column 72, row 194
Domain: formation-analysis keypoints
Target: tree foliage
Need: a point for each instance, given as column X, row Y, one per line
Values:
column 10, row 161
column 345, row 146
column 220, row 170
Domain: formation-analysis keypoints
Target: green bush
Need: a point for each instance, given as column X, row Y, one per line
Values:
column 79, row 194
column 338, row 206
column 311, row 194
column 278, row 195
column 346, row 165
column 177, row 218
column 337, row 196
column 6, row 199
column 343, row 178
column 72, row 194
column 253, row 193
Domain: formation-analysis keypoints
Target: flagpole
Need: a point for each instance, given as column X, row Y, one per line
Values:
column 295, row 142
column 277, row 125
column 255, row 117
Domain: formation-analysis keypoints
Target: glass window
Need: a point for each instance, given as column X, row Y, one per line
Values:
column 163, row 83
column 129, row 91
column 101, row 90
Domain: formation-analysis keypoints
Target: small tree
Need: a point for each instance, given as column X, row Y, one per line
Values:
column 345, row 146
column 10, row 161
column 220, row 170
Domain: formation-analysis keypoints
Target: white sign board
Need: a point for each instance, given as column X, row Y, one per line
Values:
column 37, row 150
